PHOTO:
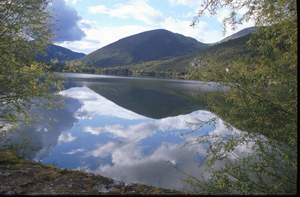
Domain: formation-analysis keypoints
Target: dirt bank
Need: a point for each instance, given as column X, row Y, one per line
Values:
column 19, row 176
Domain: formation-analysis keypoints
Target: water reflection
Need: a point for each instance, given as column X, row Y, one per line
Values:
column 44, row 131
column 94, row 134
column 155, row 98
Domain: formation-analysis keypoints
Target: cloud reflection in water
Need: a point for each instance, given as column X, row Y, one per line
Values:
column 136, row 148
column 116, row 142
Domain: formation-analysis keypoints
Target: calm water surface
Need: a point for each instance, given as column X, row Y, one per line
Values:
column 130, row 129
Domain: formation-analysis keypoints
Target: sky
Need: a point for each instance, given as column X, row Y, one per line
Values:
column 87, row 25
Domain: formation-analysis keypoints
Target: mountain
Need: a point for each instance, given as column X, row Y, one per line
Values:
column 147, row 54
column 224, row 52
column 142, row 47
column 177, row 67
column 58, row 55
column 239, row 34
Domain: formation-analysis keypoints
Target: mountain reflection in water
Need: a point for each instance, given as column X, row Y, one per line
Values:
column 154, row 98
column 94, row 134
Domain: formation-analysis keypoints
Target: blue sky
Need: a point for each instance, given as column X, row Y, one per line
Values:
column 93, row 24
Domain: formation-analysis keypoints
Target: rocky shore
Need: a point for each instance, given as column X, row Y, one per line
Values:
column 19, row 176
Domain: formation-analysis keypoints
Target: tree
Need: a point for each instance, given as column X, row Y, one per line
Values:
column 262, row 99
column 24, row 32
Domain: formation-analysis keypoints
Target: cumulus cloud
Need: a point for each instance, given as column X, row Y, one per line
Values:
column 140, row 149
column 222, row 13
column 72, row 1
column 92, row 41
column 149, row 18
column 202, row 32
column 90, row 105
column 65, row 22
column 93, row 130
column 225, row 13
column 110, row 34
column 135, row 9
column 66, row 137
column 185, row 2
column 104, row 150
column 75, row 151
column 129, row 164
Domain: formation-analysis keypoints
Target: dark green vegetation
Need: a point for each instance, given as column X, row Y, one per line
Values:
column 223, row 55
column 167, row 67
column 156, row 53
column 19, row 176
column 21, row 77
column 262, row 101
column 239, row 34
column 57, row 56
column 145, row 46
column 178, row 67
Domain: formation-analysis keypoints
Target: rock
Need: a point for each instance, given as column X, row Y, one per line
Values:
column 18, row 176
column 101, row 188
column 4, row 174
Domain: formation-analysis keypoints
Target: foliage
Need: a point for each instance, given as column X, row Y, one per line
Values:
column 56, row 56
column 262, row 98
column 174, row 67
column 150, row 69
column 217, row 58
column 142, row 47
column 23, row 33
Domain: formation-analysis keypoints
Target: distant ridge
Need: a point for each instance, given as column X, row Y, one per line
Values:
column 239, row 34
column 58, row 54
column 178, row 66
column 146, row 46
column 152, row 53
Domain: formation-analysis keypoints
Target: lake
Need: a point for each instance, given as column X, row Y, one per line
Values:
column 140, row 130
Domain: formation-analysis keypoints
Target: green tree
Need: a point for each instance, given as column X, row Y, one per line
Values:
column 24, row 32
column 262, row 98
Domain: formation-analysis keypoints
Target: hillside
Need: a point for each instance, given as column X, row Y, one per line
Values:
column 178, row 67
column 146, row 46
column 57, row 56
column 118, row 58
column 239, row 34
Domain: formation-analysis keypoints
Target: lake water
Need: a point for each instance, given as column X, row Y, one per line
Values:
column 138, row 130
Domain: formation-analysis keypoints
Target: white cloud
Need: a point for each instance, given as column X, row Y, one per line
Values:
column 66, row 137
column 225, row 13
column 201, row 32
column 135, row 9
column 128, row 164
column 131, row 133
column 91, row 102
column 144, row 126
column 185, row 2
column 75, row 151
column 206, row 34
column 72, row 1
column 98, row 36
column 93, row 130
column 103, row 150
column 99, row 9
column 126, row 154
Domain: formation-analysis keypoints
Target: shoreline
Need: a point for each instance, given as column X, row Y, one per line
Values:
column 20, row 176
